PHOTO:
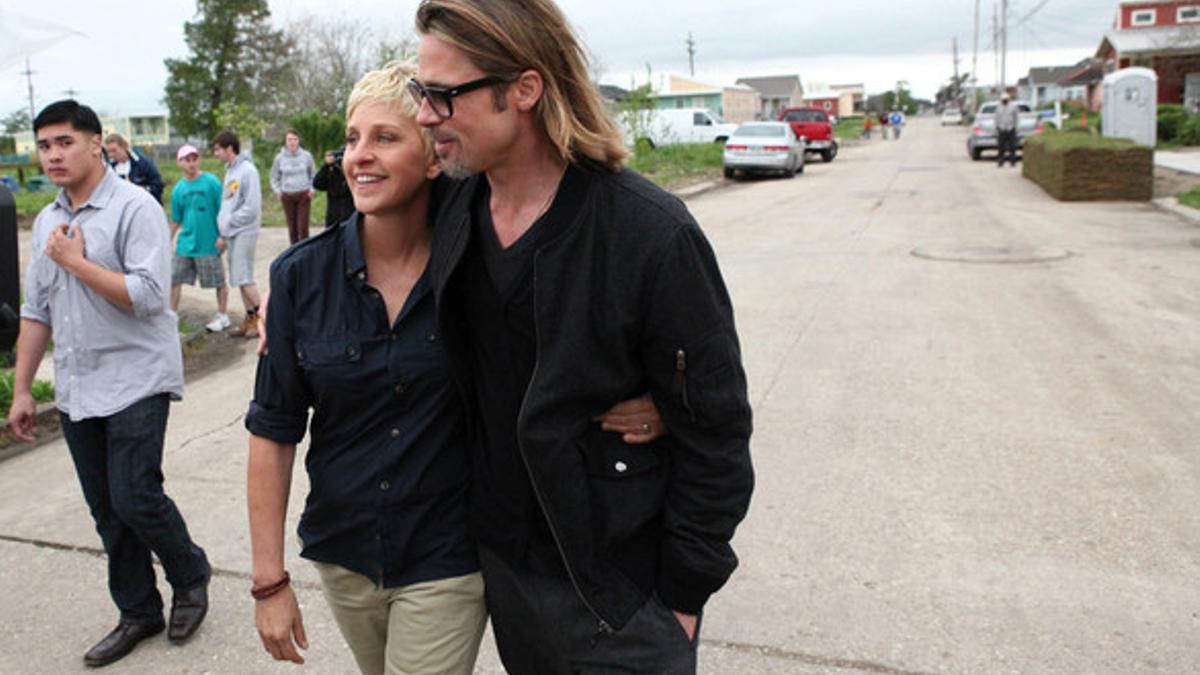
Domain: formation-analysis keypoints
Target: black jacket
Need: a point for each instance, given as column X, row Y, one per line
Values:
column 339, row 203
column 144, row 174
column 628, row 299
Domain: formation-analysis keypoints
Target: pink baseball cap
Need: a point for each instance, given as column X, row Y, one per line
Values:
column 186, row 150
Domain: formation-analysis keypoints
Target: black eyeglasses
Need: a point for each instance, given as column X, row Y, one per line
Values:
column 441, row 99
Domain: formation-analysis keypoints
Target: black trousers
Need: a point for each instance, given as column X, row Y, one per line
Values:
column 1006, row 141
column 543, row 628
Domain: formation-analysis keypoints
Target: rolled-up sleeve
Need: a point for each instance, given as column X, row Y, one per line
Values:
column 36, row 306
column 282, row 398
column 146, row 259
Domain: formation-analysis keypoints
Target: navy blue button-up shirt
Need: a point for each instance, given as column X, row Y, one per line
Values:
column 388, row 461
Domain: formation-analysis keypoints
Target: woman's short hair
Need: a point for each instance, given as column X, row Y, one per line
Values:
column 388, row 85
column 118, row 139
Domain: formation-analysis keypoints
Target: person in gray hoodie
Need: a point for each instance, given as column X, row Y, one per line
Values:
column 291, row 181
column 239, row 221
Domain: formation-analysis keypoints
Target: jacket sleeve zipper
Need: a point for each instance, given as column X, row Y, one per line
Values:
column 679, row 384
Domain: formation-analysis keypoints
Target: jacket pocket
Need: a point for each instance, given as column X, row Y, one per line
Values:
column 626, row 486
column 708, row 382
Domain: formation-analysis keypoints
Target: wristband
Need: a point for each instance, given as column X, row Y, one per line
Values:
column 264, row 592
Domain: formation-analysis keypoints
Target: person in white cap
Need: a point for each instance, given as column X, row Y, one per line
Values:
column 195, row 201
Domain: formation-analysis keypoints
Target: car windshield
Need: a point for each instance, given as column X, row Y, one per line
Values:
column 759, row 130
column 805, row 116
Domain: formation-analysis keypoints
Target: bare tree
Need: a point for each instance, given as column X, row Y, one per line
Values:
column 330, row 55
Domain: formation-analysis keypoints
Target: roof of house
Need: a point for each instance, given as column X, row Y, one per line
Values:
column 776, row 86
column 1158, row 39
column 1087, row 71
column 612, row 92
column 1049, row 75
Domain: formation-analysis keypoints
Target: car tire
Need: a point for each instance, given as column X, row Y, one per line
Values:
column 800, row 168
column 976, row 153
column 729, row 173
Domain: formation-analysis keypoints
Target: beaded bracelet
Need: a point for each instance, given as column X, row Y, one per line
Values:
column 264, row 592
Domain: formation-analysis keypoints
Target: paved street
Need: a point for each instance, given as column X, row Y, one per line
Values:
column 977, row 412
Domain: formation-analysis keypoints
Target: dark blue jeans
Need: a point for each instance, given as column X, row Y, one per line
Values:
column 119, row 463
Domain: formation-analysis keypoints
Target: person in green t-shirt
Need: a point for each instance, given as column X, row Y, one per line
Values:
column 195, row 201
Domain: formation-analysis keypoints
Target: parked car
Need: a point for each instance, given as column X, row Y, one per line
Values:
column 983, row 131
column 680, row 125
column 952, row 117
column 813, row 125
column 764, row 146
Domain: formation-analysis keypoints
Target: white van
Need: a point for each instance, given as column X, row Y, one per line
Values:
column 680, row 125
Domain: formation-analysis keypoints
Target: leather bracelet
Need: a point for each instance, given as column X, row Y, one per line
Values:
column 264, row 592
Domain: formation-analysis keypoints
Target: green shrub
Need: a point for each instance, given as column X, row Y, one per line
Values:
column 1189, row 132
column 42, row 391
column 1171, row 118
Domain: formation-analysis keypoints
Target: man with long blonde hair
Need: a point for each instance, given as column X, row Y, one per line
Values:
column 564, row 281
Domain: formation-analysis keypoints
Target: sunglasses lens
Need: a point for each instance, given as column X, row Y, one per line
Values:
column 438, row 100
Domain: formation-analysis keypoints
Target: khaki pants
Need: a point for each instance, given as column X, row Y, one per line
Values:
column 427, row 627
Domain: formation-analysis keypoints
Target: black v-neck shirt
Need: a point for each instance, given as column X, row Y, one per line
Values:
column 497, row 296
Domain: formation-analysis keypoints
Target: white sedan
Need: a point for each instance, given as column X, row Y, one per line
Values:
column 952, row 116
column 764, row 146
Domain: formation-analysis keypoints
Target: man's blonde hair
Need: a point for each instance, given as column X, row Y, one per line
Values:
column 388, row 86
column 504, row 38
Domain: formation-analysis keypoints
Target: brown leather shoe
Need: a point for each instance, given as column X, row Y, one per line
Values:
column 187, row 611
column 247, row 328
column 117, row 644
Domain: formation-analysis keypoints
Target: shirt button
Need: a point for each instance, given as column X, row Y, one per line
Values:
column 393, row 337
column 432, row 337
column 385, row 485
column 351, row 350
column 362, row 275
column 395, row 432
column 620, row 467
column 399, row 388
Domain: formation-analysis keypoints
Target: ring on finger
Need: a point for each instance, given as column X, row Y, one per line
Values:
column 646, row 427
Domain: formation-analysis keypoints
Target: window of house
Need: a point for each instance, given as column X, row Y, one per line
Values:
column 1189, row 14
column 1143, row 17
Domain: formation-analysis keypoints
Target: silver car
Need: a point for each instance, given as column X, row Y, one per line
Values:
column 764, row 146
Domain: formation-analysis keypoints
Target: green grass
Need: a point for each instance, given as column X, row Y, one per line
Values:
column 849, row 128
column 42, row 391
column 1066, row 140
column 1190, row 198
column 670, row 165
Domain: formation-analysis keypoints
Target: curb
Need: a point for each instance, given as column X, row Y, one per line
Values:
column 1172, row 205
column 696, row 189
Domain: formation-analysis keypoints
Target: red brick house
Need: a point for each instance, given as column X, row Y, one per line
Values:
column 1163, row 35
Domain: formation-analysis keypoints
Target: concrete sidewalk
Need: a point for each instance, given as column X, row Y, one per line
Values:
column 1187, row 161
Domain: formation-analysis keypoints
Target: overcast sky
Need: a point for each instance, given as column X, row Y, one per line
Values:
column 117, row 65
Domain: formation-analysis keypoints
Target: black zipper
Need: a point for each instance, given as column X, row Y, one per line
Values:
column 603, row 628
column 679, row 383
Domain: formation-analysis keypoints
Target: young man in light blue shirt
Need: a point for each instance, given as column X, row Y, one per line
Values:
column 98, row 280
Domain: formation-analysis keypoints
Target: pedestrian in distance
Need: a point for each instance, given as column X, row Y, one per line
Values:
column 1007, row 118
column 291, row 180
column 867, row 128
column 239, row 222
column 98, row 283
column 596, row 555
column 352, row 335
column 195, row 202
column 896, row 122
column 133, row 167
column 883, row 122
column 339, row 202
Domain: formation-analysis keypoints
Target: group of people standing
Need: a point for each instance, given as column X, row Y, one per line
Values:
column 885, row 120
column 516, row 361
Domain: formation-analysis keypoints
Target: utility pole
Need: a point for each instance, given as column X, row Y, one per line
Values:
column 974, row 61
column 71, row 93
column 995, row 44
column 28, row 73
column 691, row 49
column 1003, row 47
column 954, row 90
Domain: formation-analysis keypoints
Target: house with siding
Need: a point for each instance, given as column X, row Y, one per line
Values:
column 1163, row 35
column 776, row 92
column 734, row 104
column 1043, row 85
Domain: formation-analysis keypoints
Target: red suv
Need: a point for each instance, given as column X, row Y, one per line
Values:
column 812, row 124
